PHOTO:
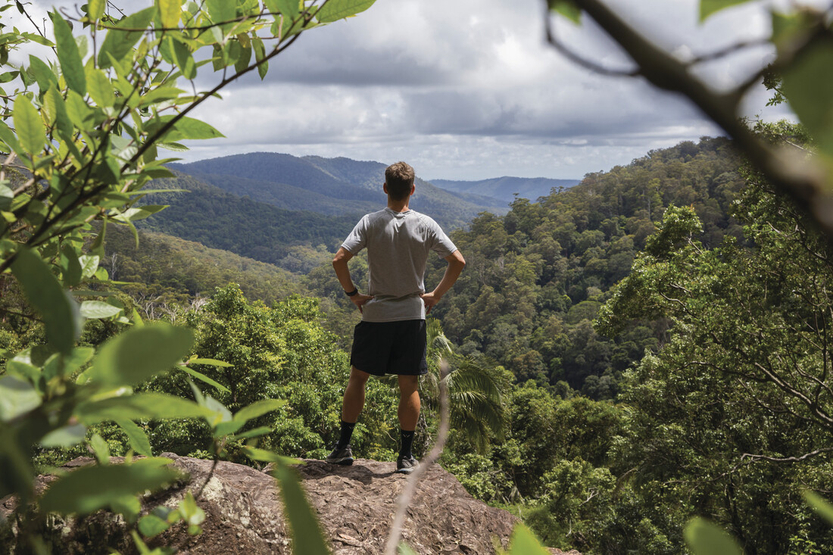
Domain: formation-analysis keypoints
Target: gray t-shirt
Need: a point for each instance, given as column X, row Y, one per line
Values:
column 397, row 244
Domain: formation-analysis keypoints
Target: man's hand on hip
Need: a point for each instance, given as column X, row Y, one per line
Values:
column 430, row 300
column 359, row 300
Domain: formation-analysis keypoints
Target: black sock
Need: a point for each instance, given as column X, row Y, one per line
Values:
column 407, row 443
column 346, row 434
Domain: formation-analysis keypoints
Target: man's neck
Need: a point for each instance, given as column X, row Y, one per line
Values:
column 399, row 205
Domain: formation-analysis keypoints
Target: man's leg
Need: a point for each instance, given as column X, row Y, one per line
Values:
column 354, row 396
column 350, row 409
column 408, row 416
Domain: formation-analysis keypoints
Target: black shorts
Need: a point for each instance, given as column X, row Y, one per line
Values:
column 381, row 348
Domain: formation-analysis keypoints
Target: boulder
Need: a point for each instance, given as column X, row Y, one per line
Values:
column 355, row 505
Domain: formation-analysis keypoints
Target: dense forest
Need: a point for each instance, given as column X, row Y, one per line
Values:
column 600, row 386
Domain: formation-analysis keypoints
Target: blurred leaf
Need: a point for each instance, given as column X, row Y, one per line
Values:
column 98, row 309
column 524, row 542
column 209, row 362
column 128, row 506
column 307, row 536
column 118, row 43
column 221, row 10
column 218, row 408
column 260, row 54
column 262, row 430
column 45, row 295
column 258, row 408
column 808, row 86
column 24, row 371
column 334, row 10
column 72, row 67
column 819, row 504
column 91, row 488
column 100, row 448
column 708, row 7
column 288, row 8
column 405, row 549
column 170, row 12
column 140, row 406
column 263, row 455
column 16, row 397
column 567, row 9
column 706, row 538
column 139, row 441
column 8, row 137
column 191, row 513
column 202, row 377
column 95, row 9
column 139, row 353
column 29, row 126
column 151, row 525
column 227, row 427
column 65, row 437
column 72, row 266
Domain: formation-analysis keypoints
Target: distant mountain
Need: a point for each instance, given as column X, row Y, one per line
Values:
column 334, row 186
column 222, row 220
column 505, row 188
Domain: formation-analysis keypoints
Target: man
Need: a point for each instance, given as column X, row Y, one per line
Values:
column 391, row 338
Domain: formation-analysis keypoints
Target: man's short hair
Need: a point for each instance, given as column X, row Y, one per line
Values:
column 399, row 178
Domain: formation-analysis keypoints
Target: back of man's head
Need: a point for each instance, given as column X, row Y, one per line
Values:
column 399, row 178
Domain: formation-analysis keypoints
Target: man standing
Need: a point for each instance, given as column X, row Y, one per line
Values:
column 391, row 337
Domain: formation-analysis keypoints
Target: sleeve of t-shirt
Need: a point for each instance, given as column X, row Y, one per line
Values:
column 440, row 243
column 357, row 240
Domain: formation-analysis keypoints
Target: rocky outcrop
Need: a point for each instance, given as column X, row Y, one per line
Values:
column 355, row 505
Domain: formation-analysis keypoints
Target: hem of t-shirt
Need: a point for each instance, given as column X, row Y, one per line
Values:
column 402, row 319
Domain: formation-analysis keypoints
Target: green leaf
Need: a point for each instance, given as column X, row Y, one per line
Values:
column 184, row 59
column 202, row 377
column 258, row 408
column 29, row 125
column 140, row 406
column 16, row 397
column 260, row 54
column 79, row 113
column 44, row 75
column 6, row 197
column 405, row 549
column 65, row 437
column 8, row 137
column 137, row 354
column 259, row 431
column 100, row 448
column 46, row 296
column 808, row 86
column 56, row 111
column 210, row 362
column 89, row 264
column 94, row 487
column 98, row 309
column 72, row 67
column 307, row 536
column 191, row 513
column 334, row 10
column 706, row 538
column 128, row 506
column 100, row 88
column 24, row 371
column 185, row 128
column 170, row 12
column 227, row 428
column 263, row 455
column 708, row 7
column 71, row 266
column 118, row 43
column 819, row 504
column 151, row 525
column 139, row 441
column 566, row 8
column 524, row 542
column 289, row 8
column 95, row 9
column 221, row 10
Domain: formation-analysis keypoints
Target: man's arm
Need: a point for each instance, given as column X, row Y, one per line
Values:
column 456, row 263
column 343, row 275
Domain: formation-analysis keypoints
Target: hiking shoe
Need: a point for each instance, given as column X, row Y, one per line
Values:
column 343, row 456
column 406, row 465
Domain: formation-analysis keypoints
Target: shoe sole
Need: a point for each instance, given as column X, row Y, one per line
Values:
column 342, row 462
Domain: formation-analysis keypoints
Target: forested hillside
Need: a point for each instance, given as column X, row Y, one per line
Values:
column 336, row 186
column 221, row 220
column 505, row 188
column 536, row 278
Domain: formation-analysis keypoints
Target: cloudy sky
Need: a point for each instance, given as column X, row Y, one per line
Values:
column 468, row 89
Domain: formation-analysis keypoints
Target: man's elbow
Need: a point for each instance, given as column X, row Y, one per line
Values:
column 459, row 260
